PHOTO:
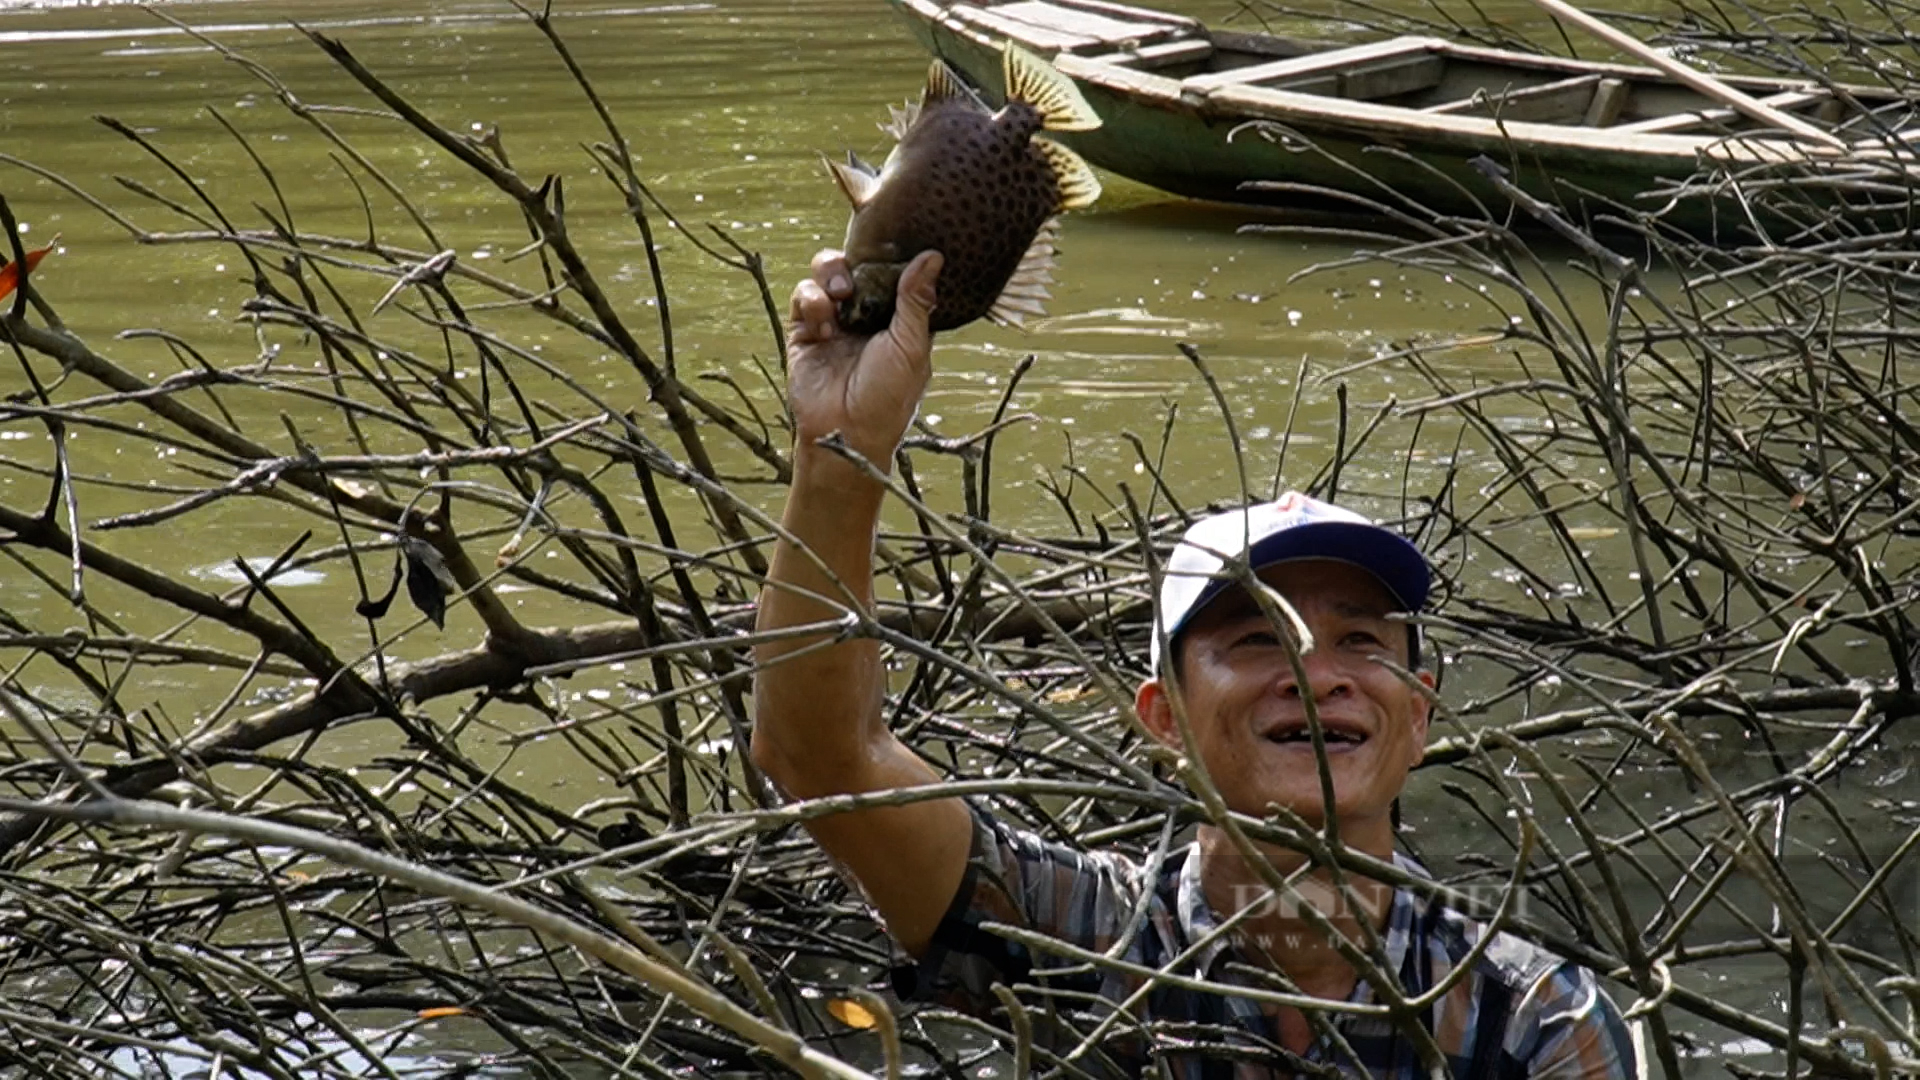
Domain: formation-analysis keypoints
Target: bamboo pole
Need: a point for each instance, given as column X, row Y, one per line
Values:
column 1699, row 80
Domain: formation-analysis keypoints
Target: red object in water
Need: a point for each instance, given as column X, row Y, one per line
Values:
column 10, row 273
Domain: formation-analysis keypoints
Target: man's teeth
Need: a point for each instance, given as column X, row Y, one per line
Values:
column 1330, row 736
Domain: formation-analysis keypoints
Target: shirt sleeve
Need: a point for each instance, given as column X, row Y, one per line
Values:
column 1567, row 1028
column 1016, row 878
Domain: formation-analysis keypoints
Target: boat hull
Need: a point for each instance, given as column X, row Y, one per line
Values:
column 1263, row 148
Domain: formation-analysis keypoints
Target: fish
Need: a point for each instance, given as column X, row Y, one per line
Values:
column 978, row 186
column 10, row 273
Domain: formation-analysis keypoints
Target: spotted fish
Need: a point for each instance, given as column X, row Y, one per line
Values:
column 974, row 185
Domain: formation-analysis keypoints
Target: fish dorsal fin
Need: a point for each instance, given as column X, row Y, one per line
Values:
column 1028, row 286
column 1078, row 186
column 943, row 83
column 900, row 118
column 1040, row 84
column 858, row 185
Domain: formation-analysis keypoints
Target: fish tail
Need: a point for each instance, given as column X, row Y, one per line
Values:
column 1040, row 84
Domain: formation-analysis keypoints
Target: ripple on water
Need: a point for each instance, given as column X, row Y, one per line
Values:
column 1127, row 320
column 225, row 571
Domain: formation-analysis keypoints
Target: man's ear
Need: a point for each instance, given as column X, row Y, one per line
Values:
column 1155, row 710
column 1422, row 717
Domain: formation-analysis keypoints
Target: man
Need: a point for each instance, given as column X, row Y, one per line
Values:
column 937, row 870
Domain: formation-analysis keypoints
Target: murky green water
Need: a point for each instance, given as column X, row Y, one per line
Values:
column 728, row 104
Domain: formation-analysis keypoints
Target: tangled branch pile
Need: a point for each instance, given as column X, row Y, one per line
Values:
column 1696, row 742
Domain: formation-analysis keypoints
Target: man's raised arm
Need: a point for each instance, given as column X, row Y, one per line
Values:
column 819, row 728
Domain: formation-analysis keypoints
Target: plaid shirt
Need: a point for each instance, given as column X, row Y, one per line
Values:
column 1521, row 1011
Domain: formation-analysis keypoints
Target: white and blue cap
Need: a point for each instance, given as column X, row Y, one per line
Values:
column 1294, row 526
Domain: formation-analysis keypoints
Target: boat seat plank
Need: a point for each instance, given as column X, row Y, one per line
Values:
column 1078, row 21
column 1040, row 39
column 1165, row 54
column 1058, row 27
column 1133, row 14
column 1312, row 65
column 1561, row 100
column 1132, row 83
column 1681, row 121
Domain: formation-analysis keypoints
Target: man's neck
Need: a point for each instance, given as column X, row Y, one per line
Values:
column 1287, row 937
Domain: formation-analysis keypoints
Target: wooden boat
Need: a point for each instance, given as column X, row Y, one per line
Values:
column 1178, row 100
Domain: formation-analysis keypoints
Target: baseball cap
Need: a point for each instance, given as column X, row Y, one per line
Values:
column 1294, row 526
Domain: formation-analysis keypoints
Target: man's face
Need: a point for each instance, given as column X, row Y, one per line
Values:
column 1248, row 710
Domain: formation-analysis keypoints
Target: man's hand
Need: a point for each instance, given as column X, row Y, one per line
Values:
column 865, row 388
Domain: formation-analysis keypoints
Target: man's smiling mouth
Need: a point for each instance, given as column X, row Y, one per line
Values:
column 1333, row 736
